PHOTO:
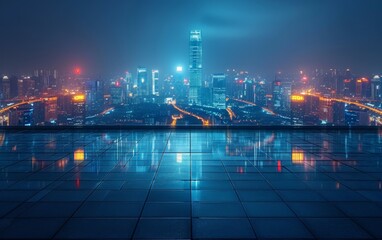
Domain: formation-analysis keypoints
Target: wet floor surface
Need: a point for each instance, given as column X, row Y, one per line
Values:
column 173, row 184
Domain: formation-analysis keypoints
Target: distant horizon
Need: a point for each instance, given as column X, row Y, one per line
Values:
column 85, row 72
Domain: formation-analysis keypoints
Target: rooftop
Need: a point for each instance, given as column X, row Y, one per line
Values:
column 190, row 183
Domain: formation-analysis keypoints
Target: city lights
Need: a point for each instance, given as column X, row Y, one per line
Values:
column 143, row 96
column 179, row 69
column 79, row 154
column 77, row 71
column 79, row 98
column 191, row 119
column 297, row 98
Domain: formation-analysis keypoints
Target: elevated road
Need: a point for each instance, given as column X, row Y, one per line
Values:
column 205, row 122
column 5, row 109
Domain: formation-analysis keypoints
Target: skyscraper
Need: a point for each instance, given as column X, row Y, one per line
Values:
column 195, row 67
column 142, row 82
column 376, row 92
column 219, row 91
column 155, row 82
column 5, row 88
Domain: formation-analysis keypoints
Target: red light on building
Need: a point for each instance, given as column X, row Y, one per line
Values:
column 279, row 166
column 77, row 71
column 117, row 84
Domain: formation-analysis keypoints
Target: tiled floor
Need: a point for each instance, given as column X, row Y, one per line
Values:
column 190, row 184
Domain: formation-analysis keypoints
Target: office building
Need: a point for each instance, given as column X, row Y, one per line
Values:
column 195, row 67
column 155, row 82
column 142, row 82
column 219, row 91
column 376, row 93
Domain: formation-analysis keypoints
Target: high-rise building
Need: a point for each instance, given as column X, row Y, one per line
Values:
column 116, row 92
column 180, row 87
column 219, row 91
column 78, row 109
column 142, row 82
column 155, row 82
column 195, row 67
column 260, row 98
column 13, row 87
column 5, row 88
column 94, row 96
column 376, row 93
column 297, row 109
column 277, row 95
column 248, row 93
column 47, row 79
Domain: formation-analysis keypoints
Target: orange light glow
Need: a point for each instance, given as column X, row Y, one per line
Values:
column 79, row 98
column 62, row 162
column 79, row 154
column 297, row 98
column 297, row 156
column 2, row 138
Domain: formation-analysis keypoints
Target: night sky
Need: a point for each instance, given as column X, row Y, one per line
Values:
column 112, row 36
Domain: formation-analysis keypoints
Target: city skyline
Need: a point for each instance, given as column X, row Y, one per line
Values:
column 190, row 92
column 259, row 36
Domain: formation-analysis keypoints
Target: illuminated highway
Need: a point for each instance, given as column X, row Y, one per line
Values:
column 175, row 119
column 253, row 104
column 3, row 110
column 348, row 101
column 107, row 111
column 204, row 121
column 231, row 113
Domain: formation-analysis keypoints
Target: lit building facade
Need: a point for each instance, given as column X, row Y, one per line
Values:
column 155, row 82
column 142, row 82
column 376, row 93
column 219, row 91
column 195, row 67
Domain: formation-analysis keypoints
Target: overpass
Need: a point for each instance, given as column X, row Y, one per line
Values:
column 348, row 101
column 23, row 102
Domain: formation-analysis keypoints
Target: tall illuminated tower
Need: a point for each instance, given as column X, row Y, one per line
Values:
column 195, row 67
column 142, row 82
column 155, row 82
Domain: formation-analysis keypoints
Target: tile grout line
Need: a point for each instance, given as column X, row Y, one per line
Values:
column 81, row 204
column 150, row 188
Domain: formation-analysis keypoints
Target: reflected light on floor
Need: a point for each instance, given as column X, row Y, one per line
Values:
column 79, row 154
column 297, row 156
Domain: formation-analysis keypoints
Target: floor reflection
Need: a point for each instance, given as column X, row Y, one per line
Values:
column 191, row 183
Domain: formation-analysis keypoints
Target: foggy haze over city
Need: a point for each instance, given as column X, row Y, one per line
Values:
column 106, row 38
column 190, row 119
column 184, row 63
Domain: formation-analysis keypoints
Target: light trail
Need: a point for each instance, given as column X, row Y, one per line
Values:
column 101, row 113
column 230, row 113
column 175, row 119
column 106, row 111
column 3, row 110
column 253, row 104
column 348, row 101
column 204, row 121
